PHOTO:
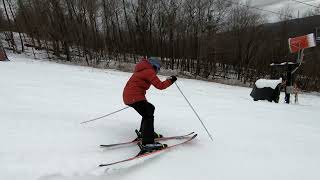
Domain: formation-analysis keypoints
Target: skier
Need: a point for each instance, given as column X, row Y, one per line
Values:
column 145, row 74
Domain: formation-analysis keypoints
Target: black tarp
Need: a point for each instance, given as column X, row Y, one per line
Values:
column 265, row 93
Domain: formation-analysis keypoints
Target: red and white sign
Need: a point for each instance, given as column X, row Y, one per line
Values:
column 301, row 42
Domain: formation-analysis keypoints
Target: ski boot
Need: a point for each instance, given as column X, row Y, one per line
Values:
column 149, row 148
column 156, row 135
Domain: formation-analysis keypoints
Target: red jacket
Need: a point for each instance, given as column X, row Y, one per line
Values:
column 144, row 75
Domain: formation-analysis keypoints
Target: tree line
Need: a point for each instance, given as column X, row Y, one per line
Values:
column 204, row 38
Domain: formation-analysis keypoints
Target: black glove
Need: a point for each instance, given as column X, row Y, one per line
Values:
column 173, row 79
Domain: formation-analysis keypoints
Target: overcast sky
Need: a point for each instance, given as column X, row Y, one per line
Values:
column 277, row 5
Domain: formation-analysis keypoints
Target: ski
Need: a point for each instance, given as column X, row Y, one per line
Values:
column 136, row 141
column 148, row 154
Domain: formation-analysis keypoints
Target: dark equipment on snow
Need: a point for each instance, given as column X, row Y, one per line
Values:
column 266, row 93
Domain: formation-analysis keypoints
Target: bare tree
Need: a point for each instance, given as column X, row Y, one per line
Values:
column 11, row 37
column 312, row 12
column 18, row 28
column 2, row 21
column 206, row 38
column 244, row 38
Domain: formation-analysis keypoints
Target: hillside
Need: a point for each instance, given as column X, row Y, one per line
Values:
column 42, row 105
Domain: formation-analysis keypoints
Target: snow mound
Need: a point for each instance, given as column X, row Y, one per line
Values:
column 262, row 83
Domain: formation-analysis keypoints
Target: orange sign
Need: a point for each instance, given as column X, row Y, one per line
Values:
column 301, row 42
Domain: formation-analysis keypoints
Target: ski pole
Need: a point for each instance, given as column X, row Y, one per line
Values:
column 104, row 115
column 194, row 111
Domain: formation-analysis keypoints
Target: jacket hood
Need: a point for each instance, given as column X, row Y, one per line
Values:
column 142, row 65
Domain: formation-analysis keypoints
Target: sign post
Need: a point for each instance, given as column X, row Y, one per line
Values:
column 296, row 45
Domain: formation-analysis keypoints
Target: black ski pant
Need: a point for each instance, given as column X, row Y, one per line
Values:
column 146, row 110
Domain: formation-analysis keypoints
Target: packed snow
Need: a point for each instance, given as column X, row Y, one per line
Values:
column 43, row 103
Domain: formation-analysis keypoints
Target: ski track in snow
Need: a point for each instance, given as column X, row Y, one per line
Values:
column 42, row 104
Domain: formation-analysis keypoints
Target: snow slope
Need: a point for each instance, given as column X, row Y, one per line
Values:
column 43, row 103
